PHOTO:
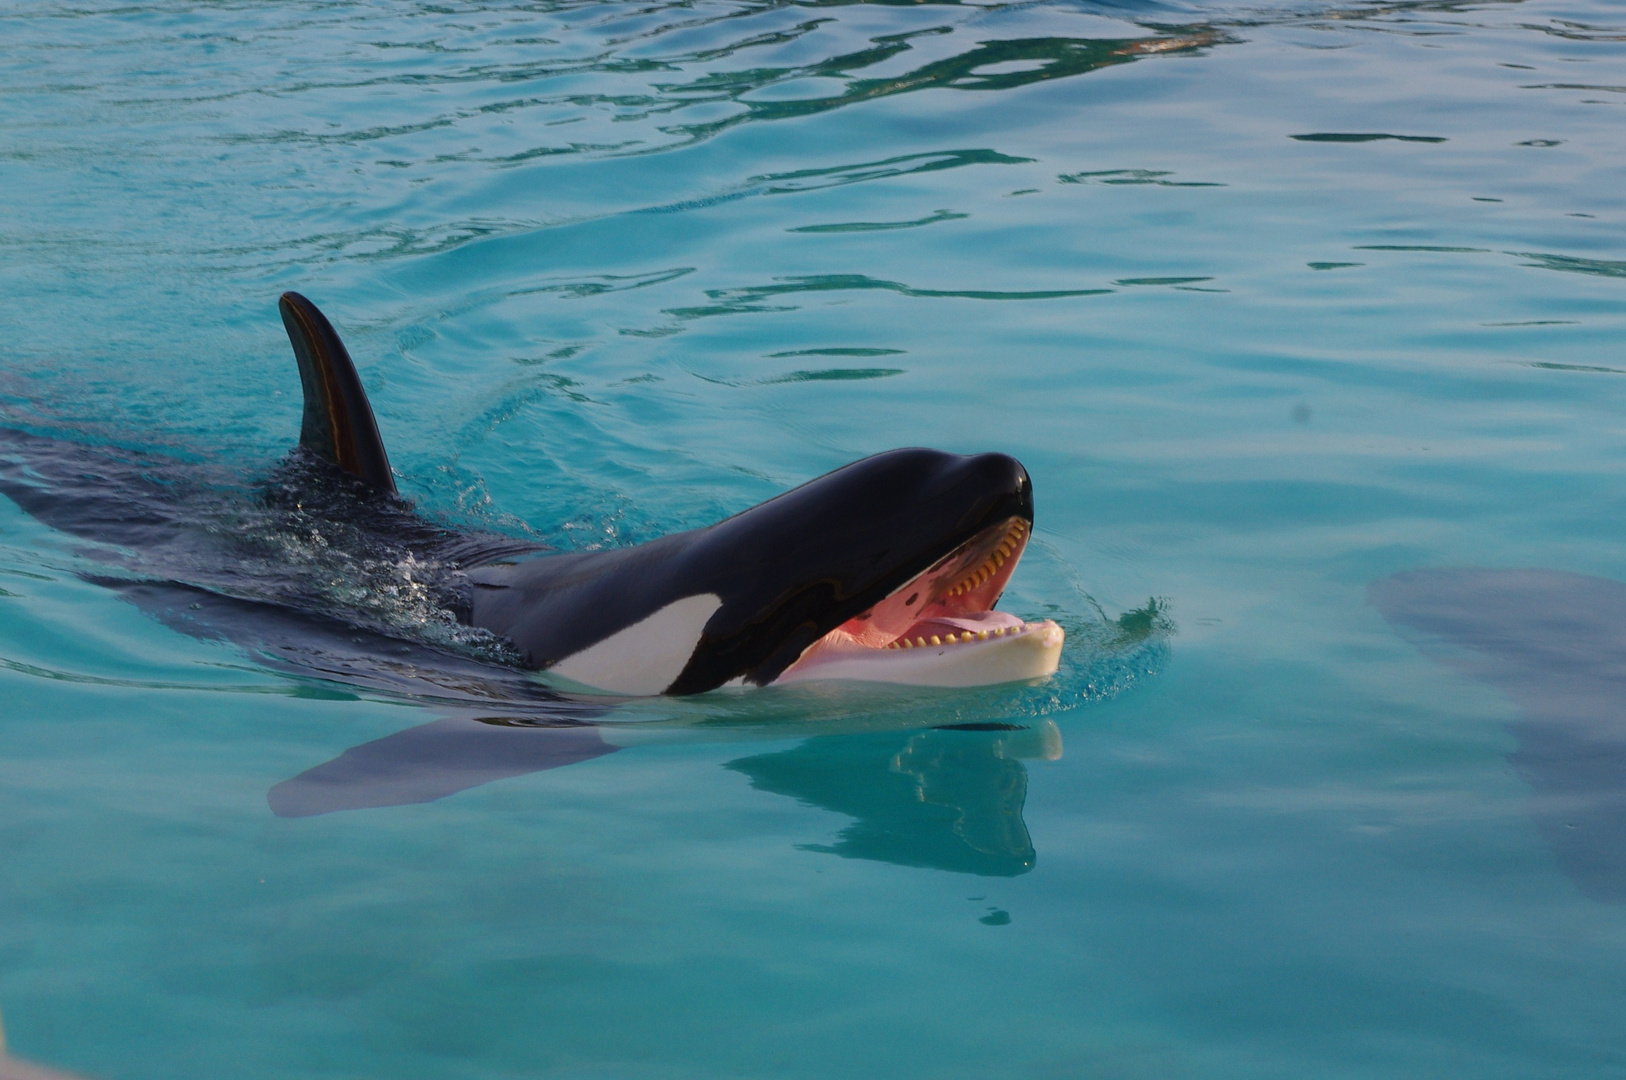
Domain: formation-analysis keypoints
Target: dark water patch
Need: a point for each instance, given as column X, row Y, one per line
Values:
column 815, row 179
column 706, row 311
column 1576, row 86
column 1551, row 366
column 1332, row 265
column 1363, row 136
column 903, row 165
column 599, row 284
column 653, row 332
column 1161, row 280
column 1039, row 59
column 996, row 917
column 750, row 41
column 834, row 375
column 341, row 138
column 1536, row 322
column 840, row 351
column 1572, row 264
column 564, row 352
column 704, row 202
column 1132, row 176
column 374, row 243
column 1423, row 247
column 749, row 298
column 1576, row 31
column 879, row 226
column 430, row 46
column 523, row 157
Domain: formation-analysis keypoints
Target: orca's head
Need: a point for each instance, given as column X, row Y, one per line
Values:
column 886, row 570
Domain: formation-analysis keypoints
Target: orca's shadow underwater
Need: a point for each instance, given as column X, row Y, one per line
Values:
column 885, row 571
column 1555, row 644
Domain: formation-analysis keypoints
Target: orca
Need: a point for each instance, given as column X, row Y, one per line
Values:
column 885, row 570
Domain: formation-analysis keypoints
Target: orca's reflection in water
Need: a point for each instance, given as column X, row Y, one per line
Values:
column 1555, row 643
column 946, row 798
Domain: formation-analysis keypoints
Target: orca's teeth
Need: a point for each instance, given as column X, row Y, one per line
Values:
column 995, row 561
column 964, row 638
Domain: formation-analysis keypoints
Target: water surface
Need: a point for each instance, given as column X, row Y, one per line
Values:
column 1277, row 302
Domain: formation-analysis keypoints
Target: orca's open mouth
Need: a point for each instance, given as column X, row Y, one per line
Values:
column 941, row 628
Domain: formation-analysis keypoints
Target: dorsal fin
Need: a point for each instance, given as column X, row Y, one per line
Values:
column 338, row 424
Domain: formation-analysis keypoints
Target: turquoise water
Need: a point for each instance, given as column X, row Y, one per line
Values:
column 611, row 270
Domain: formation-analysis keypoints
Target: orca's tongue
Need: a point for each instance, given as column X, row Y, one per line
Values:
column 971, row 622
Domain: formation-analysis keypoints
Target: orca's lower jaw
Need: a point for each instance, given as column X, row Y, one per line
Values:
column 941, row 628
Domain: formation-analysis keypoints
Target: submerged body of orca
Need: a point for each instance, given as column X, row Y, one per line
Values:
column 887, row 570
column 1555, row 644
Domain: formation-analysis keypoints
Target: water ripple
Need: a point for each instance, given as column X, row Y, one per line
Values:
column 748, row 298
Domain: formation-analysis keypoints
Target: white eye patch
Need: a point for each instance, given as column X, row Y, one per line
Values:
column 646, row 657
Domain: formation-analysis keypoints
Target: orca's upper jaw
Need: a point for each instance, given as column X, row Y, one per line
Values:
column 887, row 570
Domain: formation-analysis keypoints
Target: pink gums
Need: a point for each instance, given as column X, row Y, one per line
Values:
column 957, row 593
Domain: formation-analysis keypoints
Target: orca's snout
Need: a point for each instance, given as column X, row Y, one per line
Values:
column 1012, row 476
column 992, row 487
